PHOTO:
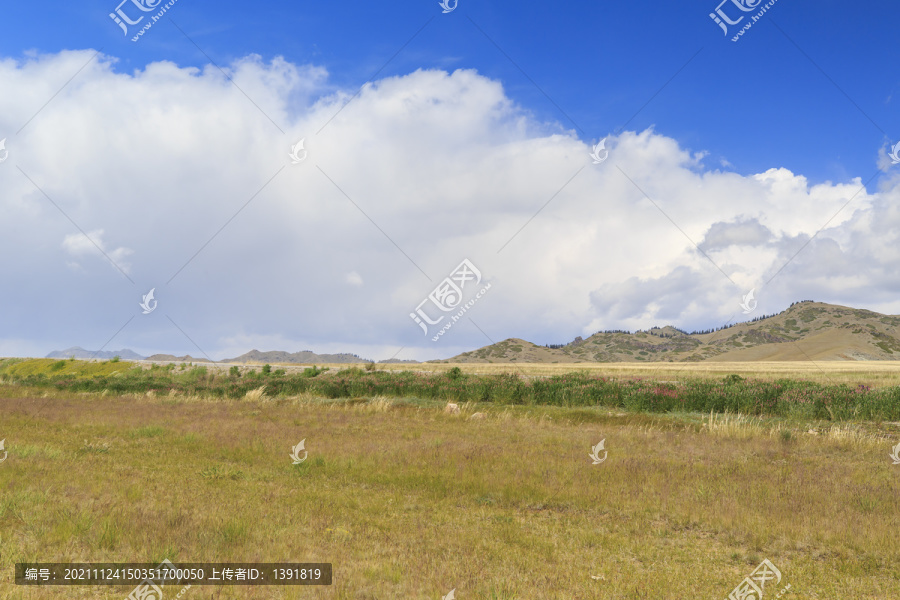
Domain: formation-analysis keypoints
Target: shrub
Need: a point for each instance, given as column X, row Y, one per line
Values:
column 312, row 371
column 234, row 371
column 267, row 368
column 114, row 359
column 454, row 373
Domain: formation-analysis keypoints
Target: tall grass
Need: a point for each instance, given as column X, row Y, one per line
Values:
column 733, row 394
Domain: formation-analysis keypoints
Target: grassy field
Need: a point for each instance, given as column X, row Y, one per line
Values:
column 794, row 398
column 871, row 373
column 409, row 502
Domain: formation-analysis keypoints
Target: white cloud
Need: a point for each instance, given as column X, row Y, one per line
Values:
column 175, row 170
column 80, row 244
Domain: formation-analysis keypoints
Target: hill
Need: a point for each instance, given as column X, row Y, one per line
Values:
column 304, row 357
column 805, row 331
column 172, row 358
column 82, row 354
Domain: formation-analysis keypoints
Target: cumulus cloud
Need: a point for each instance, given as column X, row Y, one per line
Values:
column 189, row 186
column 80, row 245
column 743, row 232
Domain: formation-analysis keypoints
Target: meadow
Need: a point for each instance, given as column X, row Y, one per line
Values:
column 784, row 397
column 409, row 501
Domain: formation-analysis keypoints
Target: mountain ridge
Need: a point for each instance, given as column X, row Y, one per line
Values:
column 806, row 330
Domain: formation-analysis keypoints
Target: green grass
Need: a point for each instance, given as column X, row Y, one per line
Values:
column 782, row 397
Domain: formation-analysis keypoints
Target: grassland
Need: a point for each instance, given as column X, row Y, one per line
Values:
column 783, row 397
column 410, row 502
column 880, row 373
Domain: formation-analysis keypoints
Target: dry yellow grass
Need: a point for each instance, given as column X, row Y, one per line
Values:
column 872, row 373
column 875, row 373
column 409, row 502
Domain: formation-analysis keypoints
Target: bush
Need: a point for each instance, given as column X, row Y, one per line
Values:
column 783, row 397
column 114, row 359
column 370, row 366
column 267, row 368
column 234, row 371
column 312, row 371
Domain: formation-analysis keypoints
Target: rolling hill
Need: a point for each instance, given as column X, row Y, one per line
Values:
column 305, row 357
column 805, row 331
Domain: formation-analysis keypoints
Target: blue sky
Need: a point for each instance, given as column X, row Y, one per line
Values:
column 759, row 102
column 810, row 89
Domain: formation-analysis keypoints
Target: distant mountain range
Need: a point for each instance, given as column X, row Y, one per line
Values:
column 304, row 357
column 254, row 356
column 81, row 353
column 805, row 331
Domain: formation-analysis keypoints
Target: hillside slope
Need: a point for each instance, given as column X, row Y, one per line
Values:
column 805, row 331
column 303, row 357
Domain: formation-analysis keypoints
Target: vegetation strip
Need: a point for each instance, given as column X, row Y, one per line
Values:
column 734, row 394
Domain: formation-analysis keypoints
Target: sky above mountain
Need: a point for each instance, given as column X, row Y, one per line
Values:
column 539, row 170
